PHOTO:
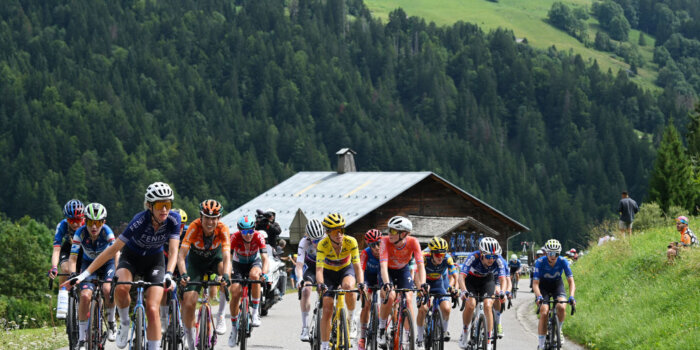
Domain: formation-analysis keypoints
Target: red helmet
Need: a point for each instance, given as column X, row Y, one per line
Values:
column 372, row 236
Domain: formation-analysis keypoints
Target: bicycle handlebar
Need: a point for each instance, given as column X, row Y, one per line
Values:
column 207, row 284
column 426, row 299
column 345, row 291
column 58, row 274
column 138, row 284
column 398, row 290
column 557, row 301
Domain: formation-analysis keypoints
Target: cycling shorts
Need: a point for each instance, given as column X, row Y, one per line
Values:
column 513, row 269
column 309, row 272
column 334, row 279
column 199, row 267
column 242, row 271
column 438, row 287
column 401, row 278
column 552, row 289
column 372, row 279
column 65, row 254
column 483, row 286
column 150, row 267
column 105, row 273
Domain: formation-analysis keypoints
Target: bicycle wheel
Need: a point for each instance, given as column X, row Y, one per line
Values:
column 515, row 286
column 316, row 334
column 203, row 336
column 371, row 340
column 556, row 335
column 406, row 318
column 342, row 337
column 482, row 335
column 243, row 325
column 436, row 334
column 172, row 338
column 94, row 334
column 72, row 323
column 139, row 330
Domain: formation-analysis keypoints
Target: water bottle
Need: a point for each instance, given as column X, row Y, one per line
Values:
column 62, row 307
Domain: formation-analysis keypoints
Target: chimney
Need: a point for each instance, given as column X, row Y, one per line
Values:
column 346, row 161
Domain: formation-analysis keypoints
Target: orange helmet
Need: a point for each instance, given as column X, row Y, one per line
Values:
column 211, row 208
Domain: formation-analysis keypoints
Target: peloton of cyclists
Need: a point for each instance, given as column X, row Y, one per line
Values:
column 547, row 284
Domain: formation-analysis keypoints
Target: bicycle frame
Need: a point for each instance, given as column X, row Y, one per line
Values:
column 394, row 336
column 140, row 320
column 71, row 315
column 339, row 322
column 553, row 337
column 96, row 336
column 244, row 328
column 174, row 332
column 478, row 334
column 207, row 341
column 434, row 309
column 371, row 333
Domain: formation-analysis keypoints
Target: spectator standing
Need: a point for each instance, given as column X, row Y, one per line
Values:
column 627, row 208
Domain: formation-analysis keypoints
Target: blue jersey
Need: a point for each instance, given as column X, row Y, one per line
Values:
column 544, row 271
column 435, row 272
column 474, row 267
column 140, row 237
column 91, row 248
column 514, row 264
column 63, row 233
column 369, row 262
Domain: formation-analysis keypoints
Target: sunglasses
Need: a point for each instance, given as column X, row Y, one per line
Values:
column 75, row 221
column 491, row 256
column 97, row 223
column 441, row 255
column 247, row 232
column 335, row 230
column 160, row 205
column 552, row 254
column 395, row 232
column 374, row 245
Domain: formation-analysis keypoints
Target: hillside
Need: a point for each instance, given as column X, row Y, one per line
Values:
column 527, row 19
column 630, row 298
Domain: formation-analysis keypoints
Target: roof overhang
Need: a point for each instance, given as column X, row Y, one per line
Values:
column 427, row 227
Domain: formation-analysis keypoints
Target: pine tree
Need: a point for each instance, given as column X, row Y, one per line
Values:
column 671, row 180
column 642, row 40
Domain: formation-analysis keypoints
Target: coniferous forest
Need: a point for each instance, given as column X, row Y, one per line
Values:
column 225, row 99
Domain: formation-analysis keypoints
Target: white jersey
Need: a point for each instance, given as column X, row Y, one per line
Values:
column 307, row 251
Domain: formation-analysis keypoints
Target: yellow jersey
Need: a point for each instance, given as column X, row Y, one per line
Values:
column 328, row 259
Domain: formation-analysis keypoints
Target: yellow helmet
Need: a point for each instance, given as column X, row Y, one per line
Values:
column 438, row 245
column 334, row 220
column 183, row 215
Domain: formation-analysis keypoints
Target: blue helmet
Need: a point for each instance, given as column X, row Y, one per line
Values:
column 245, row 223
column 73, row 209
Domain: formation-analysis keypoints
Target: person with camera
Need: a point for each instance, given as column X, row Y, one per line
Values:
column 265, row 221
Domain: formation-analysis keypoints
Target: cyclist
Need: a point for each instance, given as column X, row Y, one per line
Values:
column 93, row 239
column 515, row 266
column 396, row 251
column 548, row 284
column 250, row 260
column 538, row 254
column 143, row 242
column 62, row 240
column 437, row 263
column 688, row 238
column 207, row 242
column 477, row 277
column 306, row 270
column 337, row 266
column 369, row 259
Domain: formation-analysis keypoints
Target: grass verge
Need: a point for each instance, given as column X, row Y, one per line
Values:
column 36, row 338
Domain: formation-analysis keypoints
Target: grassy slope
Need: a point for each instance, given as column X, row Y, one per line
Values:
column 525, row 18
column 630, row 298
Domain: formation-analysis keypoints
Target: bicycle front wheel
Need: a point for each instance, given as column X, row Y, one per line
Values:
column 371, row 341
column 243, row 325
column 342, row 338
column 139, row 329
column 172, row 338
column 482, row 334
column 72, row 324
column 203, row 336
column 436, row 334
column 316, row 332
column 556, row 334
column 94, row 335
column 514, row 281
column 405, row 344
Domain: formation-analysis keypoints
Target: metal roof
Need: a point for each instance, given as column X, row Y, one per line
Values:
column 319, row 193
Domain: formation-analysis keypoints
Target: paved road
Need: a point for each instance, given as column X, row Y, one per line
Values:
column 280, row 329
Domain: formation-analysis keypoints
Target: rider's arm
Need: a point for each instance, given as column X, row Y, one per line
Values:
column 182, row 255
column 72, row 261
column 320, row 263
column 359, row 273
column 54, row 255
column 265, row 261
column 420, row 274
column 462, row 284
column 173, row 244
column 572, row 285
column 107, row 254
column 536, row 287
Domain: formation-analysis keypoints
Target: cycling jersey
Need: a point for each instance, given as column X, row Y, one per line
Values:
column 327, row 258
column 142, row 239
column 247, row 252
column 207, row 247
column 546, row 272
column 514, row 264
column 369, row 262
column 63, row 233
column 436, row 272
column 398, row 257
column 91, row 248
column 306, row 252
column 473, row 266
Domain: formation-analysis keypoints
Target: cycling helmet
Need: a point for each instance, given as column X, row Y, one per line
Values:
column 314, row 229
column 552, row 246
column 159, row 191
column 334, row 220
column 539, row 252
column 682, row 220
column 437, row 245
column 210, row 208
column 95, row 211
column 400, row 223
column 183, row 215
column 372, row 236
column 270, row 211
column 514, row 257
column 73, row 209
column 573, row 250
column 490, row 245
column 245, row 223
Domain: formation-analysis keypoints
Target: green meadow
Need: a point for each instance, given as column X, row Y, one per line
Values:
column 527, row 20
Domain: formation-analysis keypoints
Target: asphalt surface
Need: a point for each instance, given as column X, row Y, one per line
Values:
column 281, row 327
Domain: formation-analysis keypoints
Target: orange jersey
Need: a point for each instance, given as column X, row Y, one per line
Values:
column 194, row 238
column 398, row 257
column 685, row 238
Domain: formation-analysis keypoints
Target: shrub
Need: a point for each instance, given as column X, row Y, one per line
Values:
column 650, row 215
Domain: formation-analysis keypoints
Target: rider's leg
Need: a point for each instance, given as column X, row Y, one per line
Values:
column 326, row 319
column 349, row 283
column 305, row 305
column 122, row 297
column 83, row 310
column 222, row 298
column 561, row 311
column 235, row 290
column 255, row 273
column 364, row 315
column 109, row 304
column 385, row 308
column 420, row 321
column 189, row 303
column 488, row 307
column 542, row 326
column 153, row 331
column 445, row 308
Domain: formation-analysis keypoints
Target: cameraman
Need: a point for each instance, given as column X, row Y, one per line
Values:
column 265, row 220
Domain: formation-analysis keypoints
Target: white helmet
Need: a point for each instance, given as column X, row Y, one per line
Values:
column 314, row 229
column 552, row 246
column 514, row 257
column 539, row 252
column 400, row 223
column 490, row 245
column 159, row 191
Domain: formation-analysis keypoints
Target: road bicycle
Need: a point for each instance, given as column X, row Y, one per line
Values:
column 71, row 316
column 137, row 340
column 400, row 318
column 315, row 324
column 244, row 316
column 478, row 327
column 340, row 336
column 174, row 333
column 373, row 329
column 97, row 327
column 206, row 334
column 514, row 283
column 553, row 339
column 434, row 333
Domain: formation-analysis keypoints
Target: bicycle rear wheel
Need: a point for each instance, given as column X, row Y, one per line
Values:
column 411, row 341
column 514, row 281
column 243, row 324
column 139, row 330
